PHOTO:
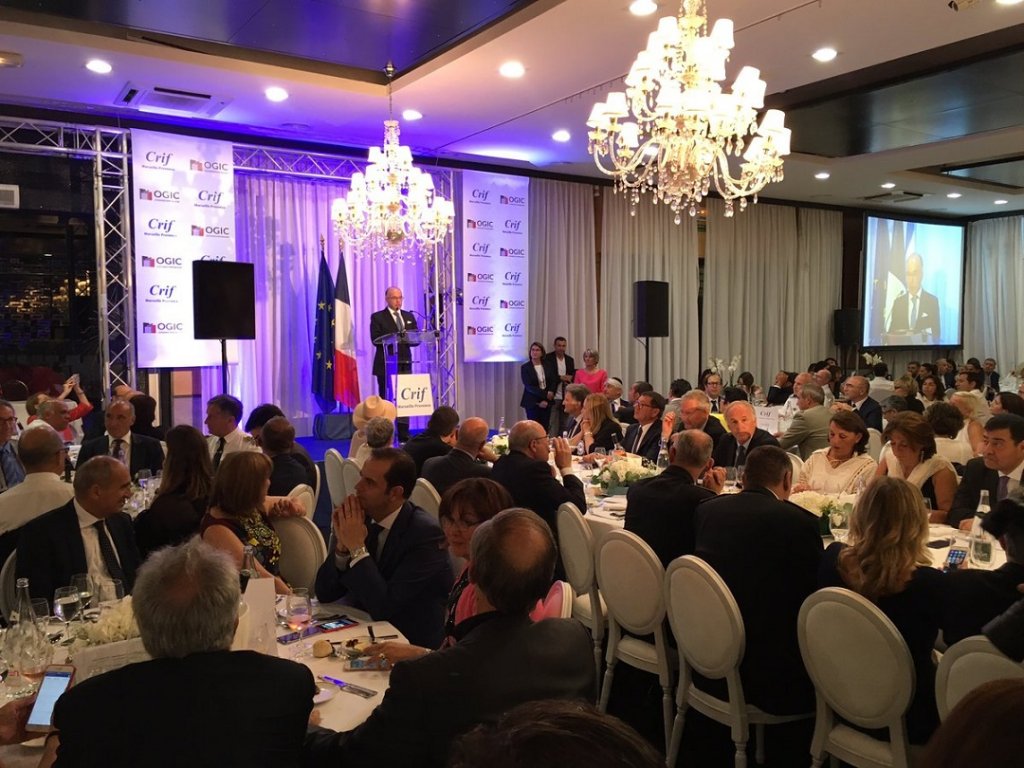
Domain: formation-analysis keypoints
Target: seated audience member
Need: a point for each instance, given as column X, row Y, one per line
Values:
column 11, row 470
column 643, row 438
column 1006, row 632
column 843, row 467
column 947, row 421
column 734, row 394
column 278, row 439
column 823, row 378
column 145, row 415
column 713, row 389
column 931, row 390
column 808, row 431
column 911, row 456
column 886, row 561
column 972, row 383
column 856, row 390
column 194, row 702
column 501, row 659
column 236, row 515
column 891, row 406
column 554, row 734
column 437, row 439
column 789, row 408
column 660, row 509
column 185, row 487
column 982, row 729
column 781, row 388
column 386, row 556
column 745, row 381
column 379, row 432
column 598, row 429
column 906, row 387
column 538, row 392
column 73, row 413
column 676, row 390
column 638, row 388
column 90, row 534
column 462, row 461
column 744, row 436
column 370, row 408
column 997, row 471
column 767, row 550
column 41, row 452
column 880, row 385
column 590, row 376
column 622, row 409
column 1007, row 402
column 263, row 413
column 695, row 413
column 973, row 431
column 572, row 406
column 54, row 413
column 223, row 412
column 137, row 452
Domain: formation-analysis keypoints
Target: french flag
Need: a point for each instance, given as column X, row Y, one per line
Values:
column 346, row 372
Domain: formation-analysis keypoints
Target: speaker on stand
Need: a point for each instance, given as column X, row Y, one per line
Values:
column 650, row 315
column 223, row 305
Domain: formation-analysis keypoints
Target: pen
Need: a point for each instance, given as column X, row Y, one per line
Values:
column 373, row 637
column 366, row 693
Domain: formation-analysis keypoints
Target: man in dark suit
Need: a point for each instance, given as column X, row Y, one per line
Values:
column 916, row 310
column 186, row 606
column 644, row 437
column 443, row 472
column 90, row 534
column 856, row 389
column 291, row 468
column 437, row 439
column 744, row 435
column 660, row 509
column 134, row 451
column 991, row 377
column 387, row 556
column 780, row 391
column 559, row 371
column 695, row 413
column 501, row 659
column 622, row 409
column 767, row 551
column 392, row 319
column 998, row 470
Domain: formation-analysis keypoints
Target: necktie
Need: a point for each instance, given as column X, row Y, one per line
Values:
column 1003, row 488
column 374, row 540
column 636, row 443
column 109, row 556
column 11, row 467
column 399, row 324
column 714, row 405
column 741, row 455
column 913, row 312
column 117, row 449
column 219, row 453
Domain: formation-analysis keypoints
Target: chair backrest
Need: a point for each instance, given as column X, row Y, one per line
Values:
column 426, row 496
column 798, row 464
column 874, row 443
column 303, row 494
column 350, row 473
column 557, row 604
column 302, row 550
column 335, row 480
column 704, row 616
column 319, row 484
column 8, row 593
column 630, row 577
column 856, row 658
column 968, row 664
column 576, row 545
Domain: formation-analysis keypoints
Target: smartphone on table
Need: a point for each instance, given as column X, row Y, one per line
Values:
column 336, row 623
column 56, row 680
column 955, row 559
column 292, row 637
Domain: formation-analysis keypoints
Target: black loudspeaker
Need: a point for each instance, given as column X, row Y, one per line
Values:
column 650, row 309
column 846, row 325
column 223, row 300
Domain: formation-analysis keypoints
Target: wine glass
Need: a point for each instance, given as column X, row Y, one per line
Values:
column 108, row 591
column 298, row 614
column 83, row 581
column 67, row 603
column 838, row 524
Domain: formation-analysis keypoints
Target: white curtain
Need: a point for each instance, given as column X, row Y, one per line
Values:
column 648, row 246
column 993, row 291
column 772, row 279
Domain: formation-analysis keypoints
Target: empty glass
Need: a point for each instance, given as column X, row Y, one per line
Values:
column 108, row 590
column 298, row 614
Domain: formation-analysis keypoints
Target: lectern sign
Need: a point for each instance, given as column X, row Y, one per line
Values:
column 413, row 394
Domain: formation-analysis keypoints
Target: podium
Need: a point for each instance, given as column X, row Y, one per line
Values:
column 410, row 365
column 907, row 338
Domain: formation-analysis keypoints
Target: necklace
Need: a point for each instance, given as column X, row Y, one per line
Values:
column 835, row 462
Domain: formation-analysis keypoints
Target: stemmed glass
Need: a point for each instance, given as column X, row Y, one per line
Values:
column 84, row 583
column 109, row 591
column 298, row 614
column 67, row 603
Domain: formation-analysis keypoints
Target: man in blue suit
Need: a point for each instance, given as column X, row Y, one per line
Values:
column 644, row 437
column 387, row 556
column 856, row 389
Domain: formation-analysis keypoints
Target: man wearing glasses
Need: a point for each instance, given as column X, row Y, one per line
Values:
column 644, row 437
column 11, row 471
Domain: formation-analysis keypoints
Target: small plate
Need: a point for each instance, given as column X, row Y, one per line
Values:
column 353, row 647
column 324, row 693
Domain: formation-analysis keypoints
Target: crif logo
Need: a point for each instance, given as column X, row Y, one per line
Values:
column 162, row 328
column 513, row 200
column 414, row 394
column 161, row 226
column 479, row 330
column 210, row 257
column 512, row 253
column 513, row 304
column 165, row 195
column 210, row 197
column 480, row 195
column 513, row 278
column 479, row 224
column 481, row 301
column 162, row 291
column 207, row 165
column 480, row 277
column 513, row 327
column 513, row 225
column 173, row 262
column 159, row 158
column 480, row 249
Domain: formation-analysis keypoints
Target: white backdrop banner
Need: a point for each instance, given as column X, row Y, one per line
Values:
column 495, row 261
column 184, row 201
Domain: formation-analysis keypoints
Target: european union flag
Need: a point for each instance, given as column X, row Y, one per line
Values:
column 323, row 344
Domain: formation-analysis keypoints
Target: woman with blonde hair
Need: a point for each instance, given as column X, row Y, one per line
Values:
column 590, row 376
column 599, row 429
column 886, row 560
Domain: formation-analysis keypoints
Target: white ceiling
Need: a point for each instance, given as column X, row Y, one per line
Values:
column 574, row 52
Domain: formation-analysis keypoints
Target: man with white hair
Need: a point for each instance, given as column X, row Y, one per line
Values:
column 856, row 389
column 622, row 409
column 809, row 429
column 744, row 435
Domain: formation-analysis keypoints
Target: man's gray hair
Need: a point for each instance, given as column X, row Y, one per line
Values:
column 186, row 600
column 48, row 408
column 37, row 447
column 741, row 404
column 379, row 432
column 693, row 448
column 512, row 560
column 698, row 397
column 813, row 392
column 96, row 471
column 120, row 403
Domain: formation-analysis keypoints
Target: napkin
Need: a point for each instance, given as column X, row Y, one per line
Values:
column 615, row 504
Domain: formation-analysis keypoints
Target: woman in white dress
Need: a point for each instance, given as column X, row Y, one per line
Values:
column 947, row 421
column 912, row 457
column 932, row 390
column 843, row 467
column 972, row 432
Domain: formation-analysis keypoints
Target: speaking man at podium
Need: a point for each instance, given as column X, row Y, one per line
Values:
column 392, row 319
column 915, row 310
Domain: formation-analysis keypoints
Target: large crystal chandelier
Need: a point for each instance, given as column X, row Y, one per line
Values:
column 392, row 209
column 675, row 133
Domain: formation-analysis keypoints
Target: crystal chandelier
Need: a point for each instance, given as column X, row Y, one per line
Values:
column 675, row 133
column 392, row 209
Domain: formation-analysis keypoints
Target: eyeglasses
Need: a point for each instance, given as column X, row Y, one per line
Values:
column 642, row 404
column 10, row 420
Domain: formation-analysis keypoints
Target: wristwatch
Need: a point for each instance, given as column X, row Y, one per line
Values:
column 358, row 552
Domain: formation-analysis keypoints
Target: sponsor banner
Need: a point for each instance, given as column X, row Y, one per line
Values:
column 495, row 271
column 413, row 394
column 183, row 197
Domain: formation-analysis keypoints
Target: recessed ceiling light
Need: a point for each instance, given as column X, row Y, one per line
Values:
column 561, row 135
column 11, row 60
column 99, row 66
column 276, row 93
column 512, row 69
column 1008, row 2
column 643, row 7
column 889, row 185
column 1000, row 202
column 411, row 114
column 824, row 54
column 822, row 175
column 954, row 195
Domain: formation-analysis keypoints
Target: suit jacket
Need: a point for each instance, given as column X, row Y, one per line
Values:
column 808, row 431
column 871, row 412
column 208, row 696
column 660, row 510
column 146, row 453
column 533, row 392
column 778, row 395
column 768, row 553
column 425, row 446
column 974, row 597
column 651, row 443
column 725, row 452
column 622, row 410
column 381, row 324
column 927, row 315
column 289, row 471
column 408, row 585
column 608, row 435
column 551, row 369
column 443, row 472
column 977, row 478
column 50, row 550
column 500, row 661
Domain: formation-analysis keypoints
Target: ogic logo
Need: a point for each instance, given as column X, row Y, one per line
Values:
column 208, row 166
column 512, row 253
column 513, row 304
column 162, row 328
column 479, row 330
column 160, row 195
column 172, row 262
column 512, row 200
column 480, row 277
column 479, row 224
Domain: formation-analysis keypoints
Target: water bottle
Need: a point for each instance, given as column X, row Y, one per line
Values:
column 502, row 429
column 663, row 456
column 981, row 541
column 249, row 569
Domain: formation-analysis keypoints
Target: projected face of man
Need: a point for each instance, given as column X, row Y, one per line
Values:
column 914, row 270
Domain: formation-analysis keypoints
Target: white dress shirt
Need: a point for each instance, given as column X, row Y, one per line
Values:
column 234, row 442
column 36, row 495
column 94, row 562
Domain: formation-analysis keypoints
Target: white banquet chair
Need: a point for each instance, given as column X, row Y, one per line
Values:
column 303, row 550
column 350, row 473
column 304, row 495
column 335, row 480
column 874, row 443
column 798, row 465
column 709, row 631
column 862, row 672
column 967, row 664
column 424, row 495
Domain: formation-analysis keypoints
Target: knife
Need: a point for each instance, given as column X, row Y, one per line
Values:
column 366, row 693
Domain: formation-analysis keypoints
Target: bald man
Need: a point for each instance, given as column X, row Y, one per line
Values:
column 390, row 320
column 462, row 461
column 915, row 310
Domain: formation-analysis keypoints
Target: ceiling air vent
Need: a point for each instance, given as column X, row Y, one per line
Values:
column 10, row 196
column 170, row 101
column 895, row 197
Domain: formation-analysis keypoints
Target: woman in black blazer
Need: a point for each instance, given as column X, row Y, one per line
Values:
column 600, row 429
column 537, row 391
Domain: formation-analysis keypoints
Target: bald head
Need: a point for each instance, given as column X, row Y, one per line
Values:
column 523, row 433
column 472, row 435
column 512, row 560
column 692, row 450
column 41, row 449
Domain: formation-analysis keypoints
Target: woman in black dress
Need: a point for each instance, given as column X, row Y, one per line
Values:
column 537, row 391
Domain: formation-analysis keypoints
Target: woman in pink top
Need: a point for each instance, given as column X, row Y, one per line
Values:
column 590, row 376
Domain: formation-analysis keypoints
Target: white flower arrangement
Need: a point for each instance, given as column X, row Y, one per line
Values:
column 871, row 359
column 499, row 444
column 116, row 623
column 717, row 365
column 821, row 504
column 622, row 473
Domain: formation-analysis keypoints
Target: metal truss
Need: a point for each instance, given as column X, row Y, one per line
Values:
column 108, row 149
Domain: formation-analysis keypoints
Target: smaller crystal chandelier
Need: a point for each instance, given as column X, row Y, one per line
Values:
column 675, row 133
column 391, row 209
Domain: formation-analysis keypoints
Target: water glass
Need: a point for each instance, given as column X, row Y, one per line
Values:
column 839, row 525
column 298, row 614
column 108, row 591
column 84, row 583
column 67, row 604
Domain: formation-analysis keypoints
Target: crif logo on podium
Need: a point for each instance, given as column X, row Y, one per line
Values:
column 414, row 395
